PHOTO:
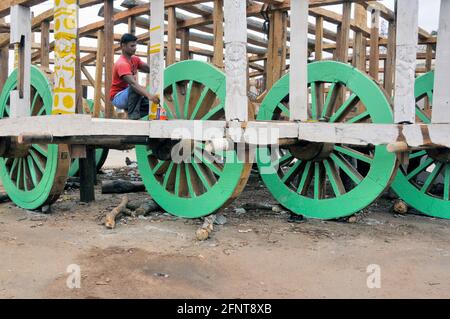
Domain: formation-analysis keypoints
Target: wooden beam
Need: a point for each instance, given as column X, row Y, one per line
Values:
column 374, row 44
column 45, row 48
column 99, row 73
column 389, row 63
column 171, row 36
column 359, row 52
column 184, row 44
column 342, row 54
column 319, row 38
column 4, row 57
column 218, row 34
column 109, row 55
column 276, row 50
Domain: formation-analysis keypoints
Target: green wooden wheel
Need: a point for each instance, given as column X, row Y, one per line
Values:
column 101, row 154
column 204, row 182
column 38, row 178
column 322, row 180
column 429, row 194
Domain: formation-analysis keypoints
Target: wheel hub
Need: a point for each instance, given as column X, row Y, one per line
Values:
column 440, row 154
column 311, row 151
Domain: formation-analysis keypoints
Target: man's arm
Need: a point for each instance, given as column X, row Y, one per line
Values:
column 140, row 89
column 144, row 67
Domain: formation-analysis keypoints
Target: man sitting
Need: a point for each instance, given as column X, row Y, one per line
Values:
column 126, row 93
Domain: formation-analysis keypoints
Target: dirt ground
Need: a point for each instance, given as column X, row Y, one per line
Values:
column 256, row 254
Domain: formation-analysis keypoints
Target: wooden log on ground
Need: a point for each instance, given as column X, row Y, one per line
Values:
column 120, row 187
column 110, row 220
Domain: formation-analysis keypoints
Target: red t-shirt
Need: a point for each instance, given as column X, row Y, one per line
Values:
column 122, row 67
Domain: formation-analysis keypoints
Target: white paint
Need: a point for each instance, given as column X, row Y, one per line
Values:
column 441, row 94
column 21, row 26
column 235, row 30
column 156, row 48
column 298, row 83
column 405, row 64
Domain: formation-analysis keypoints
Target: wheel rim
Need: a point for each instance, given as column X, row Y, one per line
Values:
column 38, row 178
column 193, row 188
column 315, row 187
column 430, row 197
column 101, row 154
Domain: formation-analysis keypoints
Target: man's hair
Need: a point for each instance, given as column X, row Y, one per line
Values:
column 127, row 37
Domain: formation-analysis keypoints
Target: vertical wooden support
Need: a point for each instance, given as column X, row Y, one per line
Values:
column 429, row 57
column 45, row 29
column 374, row 44
column 319, row 38
column 441, row 95
column 405, row 60
column 132, row 25
column 218, row 33
column 21, row 36
column 171, row 37
column 276, row 51
column 235, row 13
column 389, row 64
column 109, row 55
column 99, row 73
column 298, row 86
column 156, row 51
column 184, row 44
column 344, row 34
column 359, row 46
column 4, row 57
column 87, row 176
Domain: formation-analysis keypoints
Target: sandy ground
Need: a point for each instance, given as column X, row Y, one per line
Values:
column 255, row 254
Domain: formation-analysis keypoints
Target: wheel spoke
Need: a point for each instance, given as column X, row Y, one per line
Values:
column 188, row 97
column 13, row 166
column 343, row 110
column 201, row 175
column 189, row 181
column 283, row 109
column 36, row 95
column 347, row 168
column 19, row 172
column 359, row 117
column 447, row 182
column 25, row 184
column 212, row 112
column 175, row 100
column 330, row 100
column 168, row 173
column 422, row 115
column 158, row 167
column 420, row 168
column 39, row 149
column 353, row 153
column 417, row 154
column 289, row 175
column 177, row 180
column 285, row 159
column 305, row 179
column 168, row 111
column 199, row 103
column 36, row 159
column 208, row 162
column 431, row 178
column 319, row 181
column 334, row 178
column 32, row 170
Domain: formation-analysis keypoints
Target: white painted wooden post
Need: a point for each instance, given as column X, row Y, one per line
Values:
column 235, row 14
column 21, row 35
column 441, row 94
column 405, row 64
column 298, row 83
column 156, row 56
column 66, row 31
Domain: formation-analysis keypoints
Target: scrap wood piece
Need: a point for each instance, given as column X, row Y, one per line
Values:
column 110, row 220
